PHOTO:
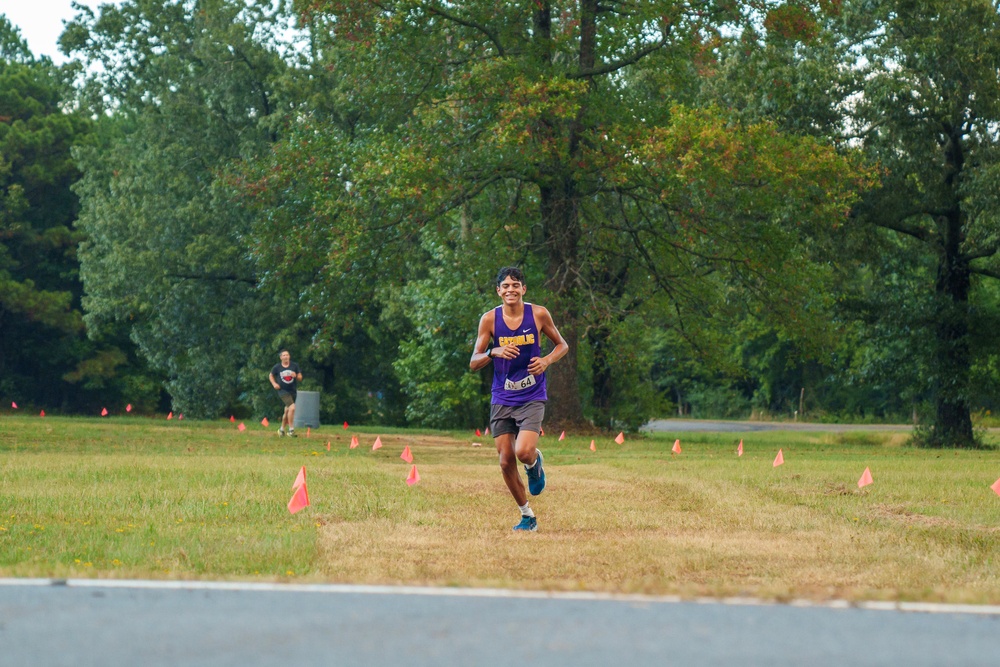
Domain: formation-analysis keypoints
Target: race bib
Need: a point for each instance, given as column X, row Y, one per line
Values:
column 528, row 381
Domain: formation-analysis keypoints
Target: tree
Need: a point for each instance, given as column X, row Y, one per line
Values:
column 183, row 89
column 928, row 115
column 553, row 133
column 40, row 319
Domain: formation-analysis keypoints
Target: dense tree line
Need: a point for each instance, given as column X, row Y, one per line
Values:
column 732, row 208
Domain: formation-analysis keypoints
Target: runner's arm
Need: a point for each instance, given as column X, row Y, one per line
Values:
column 543, row 319
column 480, row 353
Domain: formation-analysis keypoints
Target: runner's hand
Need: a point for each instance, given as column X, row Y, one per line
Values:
column 508, row 352
column 537, row 365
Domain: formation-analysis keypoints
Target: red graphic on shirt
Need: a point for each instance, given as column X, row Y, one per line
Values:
column 287, row 376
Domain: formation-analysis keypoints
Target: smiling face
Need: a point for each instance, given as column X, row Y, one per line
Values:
column 511, row 290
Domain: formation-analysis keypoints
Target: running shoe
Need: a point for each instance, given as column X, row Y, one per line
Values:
column 527, row 523
column 281, row 432
column 536, row 476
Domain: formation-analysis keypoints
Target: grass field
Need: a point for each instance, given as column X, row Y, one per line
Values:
column 140, row 498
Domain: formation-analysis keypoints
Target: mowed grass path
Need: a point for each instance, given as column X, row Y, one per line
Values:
column 140, row 498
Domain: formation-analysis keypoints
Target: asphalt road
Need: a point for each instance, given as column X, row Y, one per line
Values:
column 87, row 622
column 720, row 426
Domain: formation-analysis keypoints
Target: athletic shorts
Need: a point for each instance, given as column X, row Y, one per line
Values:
column 515, row 418
column 287, row 397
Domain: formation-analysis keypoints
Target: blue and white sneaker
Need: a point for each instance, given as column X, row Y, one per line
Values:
column 536, row 476
column 527, row 523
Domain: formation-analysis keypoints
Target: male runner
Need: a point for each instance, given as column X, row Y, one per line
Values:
column 510, row 336
column 285, row 377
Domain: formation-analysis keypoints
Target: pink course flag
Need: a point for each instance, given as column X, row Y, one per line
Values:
column 232, row 419
column 300, row 499
column 407, row 455
column 739, row 450
column 478, row 433
column 13, row 405
column 300, row 479
column 866, row 478
column 377, row 444
column 345, row 426
column 128, row 408
column 779, row 459
column 562, row 436
column 593, row 447
column 620, row 438
column 354, row 441
column 104, row 412
column 413, row 477
column 487, row 430
column 42, row 413
column 180, row 416
column 996, row 487
column 170, row 416
column 265, row 422
column 242, row 427
column 676, row 449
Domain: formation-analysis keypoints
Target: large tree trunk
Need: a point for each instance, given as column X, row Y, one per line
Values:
column 561, row 224
column 952, row 419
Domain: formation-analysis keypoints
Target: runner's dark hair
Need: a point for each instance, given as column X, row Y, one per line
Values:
column 511, row 271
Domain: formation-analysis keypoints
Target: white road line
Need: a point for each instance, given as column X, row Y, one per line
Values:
column 357, row 589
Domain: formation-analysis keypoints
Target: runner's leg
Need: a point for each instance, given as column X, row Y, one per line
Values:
column 508, row 466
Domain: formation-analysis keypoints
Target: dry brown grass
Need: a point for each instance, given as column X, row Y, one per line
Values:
column 198, row 501
column 661, row 527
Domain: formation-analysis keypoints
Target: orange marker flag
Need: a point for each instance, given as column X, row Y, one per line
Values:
column 407, row 455
column 170, row 416
column 104, row 412
column 327, row 445
column 866, row 479
column 300, row 479
column 232, row 419
column 300, row 499
column 128, row 408
column 779, row 459
column 42, row 413
column 378, row 443
column 676, row 449
column 13, row 405
column 242, row 427
column 562, row 436
column 593, row 448
column 996, row 487
column 354, row 441
column 413, row 477
column 478, row 433
column 345, row 426
column 739, row 450
column 265, row 422
column 308, row 430
column 620, row 439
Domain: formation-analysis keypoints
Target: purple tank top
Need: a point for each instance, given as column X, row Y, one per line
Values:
column 512, row 384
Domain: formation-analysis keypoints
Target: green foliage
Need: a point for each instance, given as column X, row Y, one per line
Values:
column 519, row 129
column 166, row 252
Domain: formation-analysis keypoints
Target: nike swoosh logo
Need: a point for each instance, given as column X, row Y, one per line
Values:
column 525, row 330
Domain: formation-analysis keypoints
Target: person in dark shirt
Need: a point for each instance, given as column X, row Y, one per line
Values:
column 285, row 377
